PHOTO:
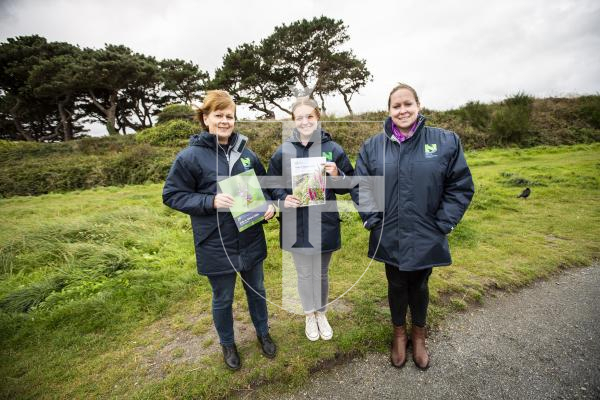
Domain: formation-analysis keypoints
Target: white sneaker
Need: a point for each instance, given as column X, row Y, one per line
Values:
column 311, row 330
column 324, row 327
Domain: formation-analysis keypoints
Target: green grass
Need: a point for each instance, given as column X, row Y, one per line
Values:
column 99, row 296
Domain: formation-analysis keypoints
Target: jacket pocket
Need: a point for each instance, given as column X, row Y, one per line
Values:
column 430, row 223
column 205, row 227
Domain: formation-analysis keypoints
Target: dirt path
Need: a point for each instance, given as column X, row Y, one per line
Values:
column 540, row 343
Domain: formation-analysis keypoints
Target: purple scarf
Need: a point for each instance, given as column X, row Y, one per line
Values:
column 399, row 135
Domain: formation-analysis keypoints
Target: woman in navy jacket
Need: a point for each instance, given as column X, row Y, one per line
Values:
column 312, row 233
column 423, row 190
column 222, row 251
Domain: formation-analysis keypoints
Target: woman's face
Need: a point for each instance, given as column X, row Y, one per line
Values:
column 221, row 123
column 305, row 119
column 404, row 109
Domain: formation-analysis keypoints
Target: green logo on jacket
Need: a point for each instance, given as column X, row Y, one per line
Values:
column 328, row 155
column 430, row 150
column 246, row 162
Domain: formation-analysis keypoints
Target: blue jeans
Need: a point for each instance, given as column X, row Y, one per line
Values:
column 223, row 287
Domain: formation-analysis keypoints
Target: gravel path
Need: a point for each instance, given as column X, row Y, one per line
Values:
column 542, row 342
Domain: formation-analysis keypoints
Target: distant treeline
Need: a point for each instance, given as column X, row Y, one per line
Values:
column 518, row 120
column 49, row 90
column 36, row 168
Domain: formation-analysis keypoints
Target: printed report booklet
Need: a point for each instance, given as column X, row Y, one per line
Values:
column 308, row 180
column 250, row 204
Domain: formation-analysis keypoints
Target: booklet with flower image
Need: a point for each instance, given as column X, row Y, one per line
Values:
column 250, row 204
column 308, row 180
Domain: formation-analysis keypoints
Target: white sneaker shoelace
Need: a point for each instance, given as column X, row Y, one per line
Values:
column 311, row 330
column 324, row 328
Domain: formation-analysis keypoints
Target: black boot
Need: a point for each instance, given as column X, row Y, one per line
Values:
column 231, row 357
column 269, row 348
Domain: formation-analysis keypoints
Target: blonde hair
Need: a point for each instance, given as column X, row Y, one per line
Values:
column 213, row 101
column 403, row 86
column 306, row 101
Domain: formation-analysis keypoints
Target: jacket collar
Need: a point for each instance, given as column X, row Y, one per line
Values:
column 387, row 128
column 237, row 144
column 237, row 141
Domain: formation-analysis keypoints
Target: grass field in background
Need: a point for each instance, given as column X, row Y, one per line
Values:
column 99, row 295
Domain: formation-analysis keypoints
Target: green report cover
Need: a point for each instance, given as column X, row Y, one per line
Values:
column 250, row 204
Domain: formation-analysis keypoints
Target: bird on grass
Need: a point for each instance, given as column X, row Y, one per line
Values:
column 525, row 193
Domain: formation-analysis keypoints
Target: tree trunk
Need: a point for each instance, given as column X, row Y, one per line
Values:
column 323, row 109
column 110, row 113
column 146, row 116
column 347, row 102
column 141, row 116
column 65, row 120
column 268, row 113
column 26, row 135
column 111, row 116
column 49, row 137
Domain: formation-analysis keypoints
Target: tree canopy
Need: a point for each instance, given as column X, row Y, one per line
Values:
column 302, row 58
column 50, row 90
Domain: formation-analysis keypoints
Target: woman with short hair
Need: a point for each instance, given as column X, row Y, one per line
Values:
column 222, row 252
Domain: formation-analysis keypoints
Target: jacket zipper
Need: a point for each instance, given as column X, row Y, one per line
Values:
column 226, row 157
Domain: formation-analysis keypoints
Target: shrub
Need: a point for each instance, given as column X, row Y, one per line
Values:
column 36, row 168
column 589, row 110
column 10, row 151
column 168, row 133
column 521, row 99
column 476, row 114
column 263, row 137
column 129, row 166
column 176, row 111
column 511, row 122
column 137, row 163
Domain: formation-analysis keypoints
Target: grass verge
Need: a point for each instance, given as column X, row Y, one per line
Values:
column 99, row 296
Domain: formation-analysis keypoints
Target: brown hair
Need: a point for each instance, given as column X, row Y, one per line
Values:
column 213, row 101
column 403, row 86
column 306, row 101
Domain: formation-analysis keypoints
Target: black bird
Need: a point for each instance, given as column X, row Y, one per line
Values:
column 525, row 193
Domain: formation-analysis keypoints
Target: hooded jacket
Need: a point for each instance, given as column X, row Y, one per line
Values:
column 191, row 186
column 425, row 190
column 298, row 225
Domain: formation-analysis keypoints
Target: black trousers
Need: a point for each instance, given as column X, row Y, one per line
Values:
column 408, row 289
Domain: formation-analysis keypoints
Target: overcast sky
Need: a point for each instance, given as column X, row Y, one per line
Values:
column 450, row 51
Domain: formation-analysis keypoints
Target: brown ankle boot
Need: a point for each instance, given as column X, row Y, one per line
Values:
column 399, row 344
column 420, row 354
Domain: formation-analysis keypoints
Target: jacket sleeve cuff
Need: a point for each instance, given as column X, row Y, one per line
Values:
column 371, row 222
column 341, row 176
column 209, row 204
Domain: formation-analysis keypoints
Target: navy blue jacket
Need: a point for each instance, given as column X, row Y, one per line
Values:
column 301, row 238
column 191, row 187
column 426, row 189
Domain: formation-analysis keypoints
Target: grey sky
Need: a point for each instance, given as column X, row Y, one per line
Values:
column 450, row 51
